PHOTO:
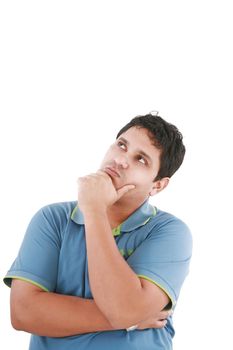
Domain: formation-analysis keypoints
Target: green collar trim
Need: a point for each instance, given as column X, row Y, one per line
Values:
column 116, row 231
column 140, row 217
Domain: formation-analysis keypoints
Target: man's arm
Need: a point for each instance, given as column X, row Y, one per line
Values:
column 124, row 298
column 54, row 315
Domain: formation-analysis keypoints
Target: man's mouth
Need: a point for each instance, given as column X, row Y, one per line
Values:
column 111, row 171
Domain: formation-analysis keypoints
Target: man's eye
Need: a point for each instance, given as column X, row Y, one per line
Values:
column 121, row 145
column 141, row 160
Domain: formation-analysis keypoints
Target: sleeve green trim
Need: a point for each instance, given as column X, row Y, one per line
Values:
column 161, row 287
column 8, row 283
column 73, row 212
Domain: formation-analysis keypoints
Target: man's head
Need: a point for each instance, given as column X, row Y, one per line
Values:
column 147, row 152
column 166, row 137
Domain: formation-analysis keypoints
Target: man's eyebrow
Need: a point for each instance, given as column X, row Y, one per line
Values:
column 123, row 139
column 139, row 151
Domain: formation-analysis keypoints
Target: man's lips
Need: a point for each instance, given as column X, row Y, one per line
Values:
column 111, row 171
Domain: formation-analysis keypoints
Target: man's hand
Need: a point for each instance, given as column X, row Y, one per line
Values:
column 97, row 191
column 159, row 321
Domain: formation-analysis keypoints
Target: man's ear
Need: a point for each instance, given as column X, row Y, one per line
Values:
column 159, row 185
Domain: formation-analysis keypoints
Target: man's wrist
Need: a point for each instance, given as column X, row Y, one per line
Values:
column 94, row 209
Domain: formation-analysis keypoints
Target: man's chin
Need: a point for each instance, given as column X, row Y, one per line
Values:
column 116, row 181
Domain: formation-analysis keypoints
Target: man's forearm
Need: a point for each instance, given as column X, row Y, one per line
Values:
column 115, row 287
column 56, row 315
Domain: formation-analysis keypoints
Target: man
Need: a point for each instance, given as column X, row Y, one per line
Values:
column 105, row 272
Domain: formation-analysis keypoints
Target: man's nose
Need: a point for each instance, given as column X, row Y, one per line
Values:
column 121, row 162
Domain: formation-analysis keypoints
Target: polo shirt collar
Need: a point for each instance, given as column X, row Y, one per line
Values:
column 138, row 218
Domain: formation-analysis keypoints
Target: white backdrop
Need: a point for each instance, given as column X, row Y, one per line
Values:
column 72, row 74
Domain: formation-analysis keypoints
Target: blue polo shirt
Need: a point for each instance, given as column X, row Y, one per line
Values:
column 155, row 244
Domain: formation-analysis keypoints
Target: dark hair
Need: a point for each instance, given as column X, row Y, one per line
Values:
column 166, row 137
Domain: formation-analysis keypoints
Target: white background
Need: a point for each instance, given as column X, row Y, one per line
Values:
column 72, row 74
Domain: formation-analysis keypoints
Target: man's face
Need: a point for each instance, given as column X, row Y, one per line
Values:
column 133, row 159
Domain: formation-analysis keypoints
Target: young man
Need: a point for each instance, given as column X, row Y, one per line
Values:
column 105, row 272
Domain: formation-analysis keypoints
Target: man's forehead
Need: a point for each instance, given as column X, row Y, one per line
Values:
column 137, row 135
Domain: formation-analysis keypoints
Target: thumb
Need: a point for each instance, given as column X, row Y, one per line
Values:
column 123, row 190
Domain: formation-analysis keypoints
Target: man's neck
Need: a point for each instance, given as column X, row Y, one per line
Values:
column 119, row 212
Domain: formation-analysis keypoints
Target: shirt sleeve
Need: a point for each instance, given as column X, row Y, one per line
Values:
column 38, row 257
column 164, row 256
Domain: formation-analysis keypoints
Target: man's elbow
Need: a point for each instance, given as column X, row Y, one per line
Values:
column 133, row 314
column 20, row 317
column 16, row 321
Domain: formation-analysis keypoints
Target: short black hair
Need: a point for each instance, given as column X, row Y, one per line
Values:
column 166, row 137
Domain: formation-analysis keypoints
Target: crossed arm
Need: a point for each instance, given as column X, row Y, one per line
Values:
column 49, row 314
column 54, row 315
